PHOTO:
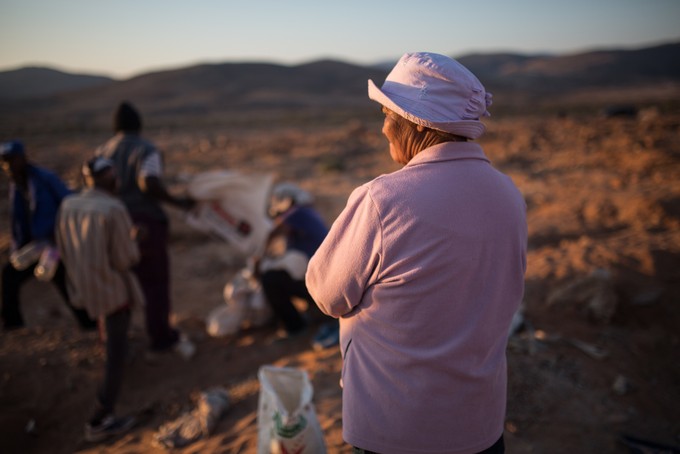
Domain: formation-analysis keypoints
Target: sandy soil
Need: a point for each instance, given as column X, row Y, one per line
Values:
column 596, row 358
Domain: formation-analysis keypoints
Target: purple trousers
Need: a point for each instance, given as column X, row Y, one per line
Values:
column 153, row 272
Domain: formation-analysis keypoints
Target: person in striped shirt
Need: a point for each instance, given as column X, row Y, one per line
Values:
column 95, row 237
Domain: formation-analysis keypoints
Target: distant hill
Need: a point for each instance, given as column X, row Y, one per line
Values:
column 554, row 74
column 241, row 91
column 35, row 82
column 232, row 86
column 203, row 93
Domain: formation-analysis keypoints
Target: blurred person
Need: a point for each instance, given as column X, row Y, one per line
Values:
column 95, row 237
column 35, row 194
column 139, row 166
column 425, row 269
column 301, row 229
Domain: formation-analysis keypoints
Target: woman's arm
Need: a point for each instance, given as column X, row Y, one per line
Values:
column 349, row 259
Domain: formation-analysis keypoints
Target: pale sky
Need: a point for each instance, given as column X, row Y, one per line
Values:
column 125, row 37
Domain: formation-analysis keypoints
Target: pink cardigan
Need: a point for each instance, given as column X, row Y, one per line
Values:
column 425, row 267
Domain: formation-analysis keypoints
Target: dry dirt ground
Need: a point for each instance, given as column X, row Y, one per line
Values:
column 596, row 359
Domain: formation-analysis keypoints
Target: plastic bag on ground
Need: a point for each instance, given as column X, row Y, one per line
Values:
column 286, row 417
column 245, row 304
column 233, row 207
column 225, row 320
column 194, row 425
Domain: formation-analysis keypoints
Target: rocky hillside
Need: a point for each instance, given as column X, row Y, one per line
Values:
column 321, row 89
column 36, row 82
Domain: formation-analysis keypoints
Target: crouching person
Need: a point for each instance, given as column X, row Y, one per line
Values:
column 95, row 238
column 301, row 229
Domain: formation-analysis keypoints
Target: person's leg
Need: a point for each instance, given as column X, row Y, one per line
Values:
column 328, row 334
column 278, row 288
column 84, row 320
column 103, row 422
column 299, row 289
column 153, row 272
column 12, row 280
column 117, row 325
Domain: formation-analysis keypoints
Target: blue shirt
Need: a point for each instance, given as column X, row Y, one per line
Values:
column 307, row 229
column 33, row 214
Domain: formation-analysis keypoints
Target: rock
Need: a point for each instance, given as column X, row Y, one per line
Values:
column 621, row 385
column 517, row 321
column 594, row 292
column 591, row 350
column 30, row 427
column 647, row 296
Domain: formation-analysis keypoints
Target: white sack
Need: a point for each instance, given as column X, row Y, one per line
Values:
column 245, row 304
column 224, row 320
column 286, row 417
column 259, row 313
column 232, row 206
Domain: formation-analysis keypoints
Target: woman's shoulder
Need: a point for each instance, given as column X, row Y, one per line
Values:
column 383, row 187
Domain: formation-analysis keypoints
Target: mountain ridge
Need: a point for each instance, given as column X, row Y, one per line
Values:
column 37, row 81
column 324, row 85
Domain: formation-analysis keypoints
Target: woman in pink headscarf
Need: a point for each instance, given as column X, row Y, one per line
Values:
column 425, row 269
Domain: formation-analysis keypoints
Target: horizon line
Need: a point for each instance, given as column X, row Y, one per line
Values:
column 273, row 61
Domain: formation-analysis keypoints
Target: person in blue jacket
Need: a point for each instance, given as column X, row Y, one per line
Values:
column 34, row 196
column 303, row 230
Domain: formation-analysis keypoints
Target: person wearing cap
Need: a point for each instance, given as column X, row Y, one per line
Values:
column 302, row 230
column 95, row 236
column 35, row 194
column 425, row 269
column 140, row 169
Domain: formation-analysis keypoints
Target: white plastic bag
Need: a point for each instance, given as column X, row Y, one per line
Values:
column 232, row 206
column 245, row 304
column 286, row 417
column 197, row 424
column 22, row 258
column 258, row 312
column 224, row 320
